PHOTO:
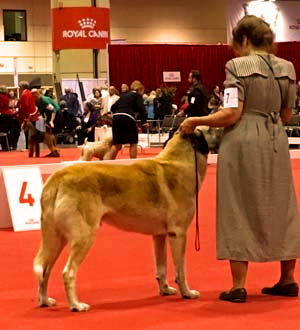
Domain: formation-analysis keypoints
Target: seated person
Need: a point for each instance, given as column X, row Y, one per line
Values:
column 96, row 101
column 87, row 127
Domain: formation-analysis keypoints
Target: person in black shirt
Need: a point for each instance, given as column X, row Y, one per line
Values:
column 197, row 97
column 124, row 122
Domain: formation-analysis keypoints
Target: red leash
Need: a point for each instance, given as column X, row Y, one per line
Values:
column 197, row 238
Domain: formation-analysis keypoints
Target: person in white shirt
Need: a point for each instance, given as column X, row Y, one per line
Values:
column 109, row 100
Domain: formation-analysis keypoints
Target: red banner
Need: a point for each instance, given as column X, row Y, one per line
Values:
column 80, row 28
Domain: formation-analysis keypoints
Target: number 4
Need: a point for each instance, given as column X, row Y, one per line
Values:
column 30, row 200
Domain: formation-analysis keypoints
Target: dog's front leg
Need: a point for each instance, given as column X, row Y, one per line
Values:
column 160, row 251
column 31, row 146
column 178, row 245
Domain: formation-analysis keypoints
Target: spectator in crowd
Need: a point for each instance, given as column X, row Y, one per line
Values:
column 90, row 96
column 49, row 92
column 13, row 100
column 150, row 104
column 215, row 100
column 96, row 101
column 68, row 120
column 124, row 124
column 16, row 127
column 124, row 88
column 163, row 103
column 109, row 100
column 197, row 97
column 257, row 210
column 88, row 123
column 5, row 117
column 104, row 92
column 72, row 102
column 184, row 104
column 26, row 107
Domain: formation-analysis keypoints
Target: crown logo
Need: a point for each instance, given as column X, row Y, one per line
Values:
column 87, row 23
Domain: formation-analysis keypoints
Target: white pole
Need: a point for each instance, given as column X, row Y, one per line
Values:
column 16, row 74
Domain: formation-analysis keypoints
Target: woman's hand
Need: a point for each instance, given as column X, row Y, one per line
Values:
column 146, row 125
column 187, row 126
column 181, row 113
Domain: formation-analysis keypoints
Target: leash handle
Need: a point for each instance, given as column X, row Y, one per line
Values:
column 197, row 238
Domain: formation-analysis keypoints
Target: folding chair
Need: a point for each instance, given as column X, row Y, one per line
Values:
column 4, row 135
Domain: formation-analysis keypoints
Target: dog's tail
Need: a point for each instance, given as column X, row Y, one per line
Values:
column 52, row 242
column 82, row 148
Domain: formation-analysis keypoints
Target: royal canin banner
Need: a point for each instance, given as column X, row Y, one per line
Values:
column 80, row 28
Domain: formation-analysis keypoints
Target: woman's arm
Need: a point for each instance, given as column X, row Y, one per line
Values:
column 51, row 122
column 222, row 118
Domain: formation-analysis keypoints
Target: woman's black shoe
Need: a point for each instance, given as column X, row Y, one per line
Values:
column 234, row 295
column 288, row 290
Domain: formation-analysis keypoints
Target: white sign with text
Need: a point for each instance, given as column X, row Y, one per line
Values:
column 171, row 76
column 23, row 188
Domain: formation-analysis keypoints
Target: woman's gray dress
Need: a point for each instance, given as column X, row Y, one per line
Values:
column 257, row 211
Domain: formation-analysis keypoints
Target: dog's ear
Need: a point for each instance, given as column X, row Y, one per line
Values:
column 199, row 142
column 171, row 134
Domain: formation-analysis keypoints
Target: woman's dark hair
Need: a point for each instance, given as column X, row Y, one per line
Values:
column 96, row 90
column 254, row 29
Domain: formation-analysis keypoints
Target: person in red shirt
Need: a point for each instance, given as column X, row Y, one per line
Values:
column 5, row 117
column 26, row 106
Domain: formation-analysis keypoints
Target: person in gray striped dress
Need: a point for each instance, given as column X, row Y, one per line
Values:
column 257, row 211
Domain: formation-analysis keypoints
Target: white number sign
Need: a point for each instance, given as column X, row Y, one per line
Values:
column 23, row 188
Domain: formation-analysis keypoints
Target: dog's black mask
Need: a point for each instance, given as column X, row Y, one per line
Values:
column 199, row 142
column 197, row 139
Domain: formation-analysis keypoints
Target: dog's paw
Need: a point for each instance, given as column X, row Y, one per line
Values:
column 192, row 294
column 79, row 307
column 167, row 291
column 47, row 303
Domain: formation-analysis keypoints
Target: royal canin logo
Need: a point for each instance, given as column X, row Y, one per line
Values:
column 85, row 24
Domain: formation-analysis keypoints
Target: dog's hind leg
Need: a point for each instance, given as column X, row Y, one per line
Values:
column 160, row 249
column 81, row 239
column 37, row 149
column 178, row 245
column 50, row 249
column 50, row 142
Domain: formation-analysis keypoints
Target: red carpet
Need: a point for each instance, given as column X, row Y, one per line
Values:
column 67, row 154
column 117, row 279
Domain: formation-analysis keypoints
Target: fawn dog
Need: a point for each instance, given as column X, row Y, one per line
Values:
column 35, row 137
column 76, row 199
column 95, row 149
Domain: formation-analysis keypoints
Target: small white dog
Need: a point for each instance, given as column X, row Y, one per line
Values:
column 95, row 149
